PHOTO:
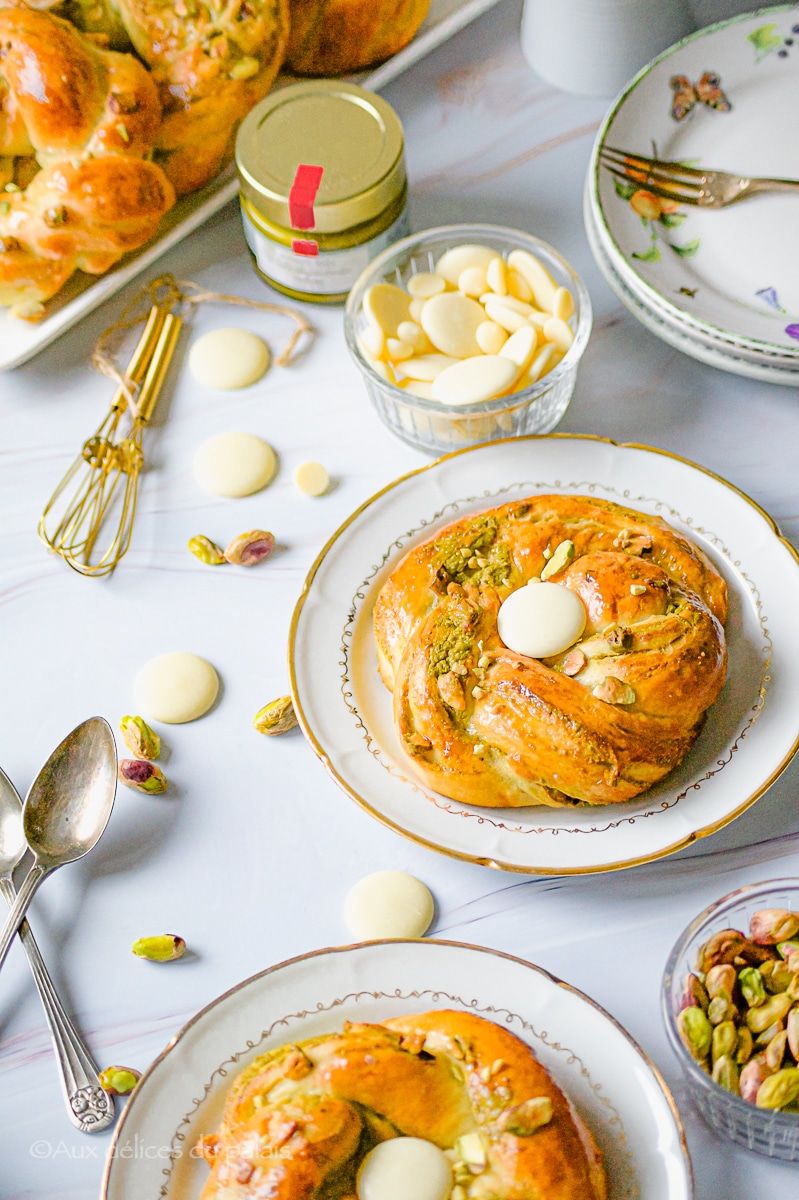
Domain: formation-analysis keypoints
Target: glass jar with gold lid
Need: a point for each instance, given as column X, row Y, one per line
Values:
column 323, row 186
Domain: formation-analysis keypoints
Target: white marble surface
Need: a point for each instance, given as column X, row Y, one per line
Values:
column 250, row 854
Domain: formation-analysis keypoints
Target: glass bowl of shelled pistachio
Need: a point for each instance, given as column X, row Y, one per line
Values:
column 467, row 334
column 731, row 1007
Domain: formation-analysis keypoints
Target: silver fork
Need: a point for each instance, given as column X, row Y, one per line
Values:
column 688, row 185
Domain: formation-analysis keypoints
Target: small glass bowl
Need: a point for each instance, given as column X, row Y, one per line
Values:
column 771, row 1133
column 440, row 428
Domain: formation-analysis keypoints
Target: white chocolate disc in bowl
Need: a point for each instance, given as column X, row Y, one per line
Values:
column 475, row 379
column 405, row 1168
column 451, row 321
column 389, row 904
column 541, row 619
column 175, row 688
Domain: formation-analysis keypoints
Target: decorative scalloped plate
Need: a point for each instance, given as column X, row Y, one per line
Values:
column 750, row 734
column 615, row 1088
column 721, row 98
column 695, row 343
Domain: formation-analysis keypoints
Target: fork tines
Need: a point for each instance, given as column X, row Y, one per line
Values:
column 669, row 180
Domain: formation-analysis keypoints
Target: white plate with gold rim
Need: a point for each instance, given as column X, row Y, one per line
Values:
column 21, row 340
column 615, row 1088
column 750, row 734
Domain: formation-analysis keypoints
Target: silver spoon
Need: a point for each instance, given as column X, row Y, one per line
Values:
column 66, row 810
column 89, row 1107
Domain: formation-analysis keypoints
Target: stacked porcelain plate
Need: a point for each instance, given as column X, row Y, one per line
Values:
column 719, row 284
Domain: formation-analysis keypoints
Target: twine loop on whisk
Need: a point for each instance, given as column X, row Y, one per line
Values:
column 167, row 293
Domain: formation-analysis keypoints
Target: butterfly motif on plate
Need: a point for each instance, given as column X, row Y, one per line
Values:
column 707, row 91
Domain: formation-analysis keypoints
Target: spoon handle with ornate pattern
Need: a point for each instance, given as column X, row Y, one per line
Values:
column 90, row 1109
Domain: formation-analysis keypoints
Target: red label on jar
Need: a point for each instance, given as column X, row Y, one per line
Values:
column 309, row 249
column 303, row 195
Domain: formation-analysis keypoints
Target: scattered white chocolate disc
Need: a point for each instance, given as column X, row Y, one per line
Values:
column 311, row 478
column 450, row 321
column 228, row 358
column 475, row 379
column 234, row 464
column 389, row 904
column 542, row 620
column 405, row 1168
column 175, row 688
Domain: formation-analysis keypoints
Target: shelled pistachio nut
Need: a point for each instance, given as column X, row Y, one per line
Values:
column 725, row 1041
column 752, row 987
column 524, row 1119
column 165, row 947
column 752, row 1078
column 774, row 1009
column 250, row 548
column 746, row 1045
column 142, row 776
column 140, row 738
column 775, row 1050
column 792, row 1030
column 561, row 557
column 769, row 926
column 779, row 978
column 276, row 717
column 696, row 1032
column 720, row 979
column 207, row 551
column 721, row 1008
column 119, row 1081
column 779, row 1089
column 694, row 991
column 725, row 1073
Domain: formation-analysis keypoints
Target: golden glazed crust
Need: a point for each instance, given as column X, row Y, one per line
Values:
column 88, row 118
column 299, row 1121
column 652, row 658
column 212, row 61
column 332, row 37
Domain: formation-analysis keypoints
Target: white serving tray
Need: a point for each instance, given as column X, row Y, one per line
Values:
column 21, row 340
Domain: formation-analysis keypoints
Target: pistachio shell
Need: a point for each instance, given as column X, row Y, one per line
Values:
column 276, row 717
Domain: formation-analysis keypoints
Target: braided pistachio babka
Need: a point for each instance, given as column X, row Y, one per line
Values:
column 597, row 724
column 299, row 1121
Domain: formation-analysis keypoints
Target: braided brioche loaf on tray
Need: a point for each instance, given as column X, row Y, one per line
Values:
column 597, row 724
column 299, row 1120
column 77, row 124
column 95, row 142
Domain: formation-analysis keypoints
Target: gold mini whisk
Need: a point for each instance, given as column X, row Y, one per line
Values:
column 101, row 486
